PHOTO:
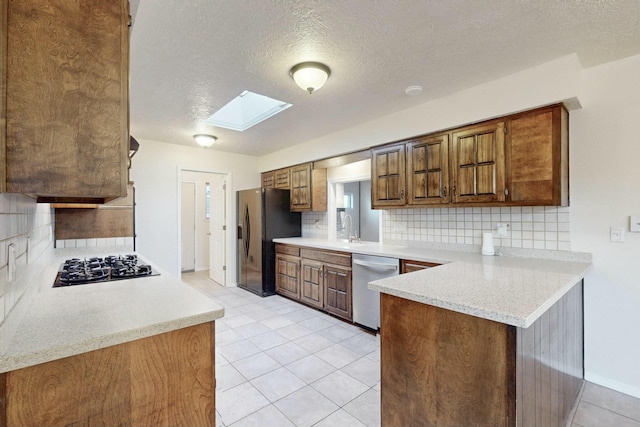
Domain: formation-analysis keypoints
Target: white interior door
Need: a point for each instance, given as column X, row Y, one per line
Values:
column 188, row 226
column 217, row 261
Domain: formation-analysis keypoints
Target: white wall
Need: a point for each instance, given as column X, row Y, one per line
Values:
column 605, row 190
column 155, row 171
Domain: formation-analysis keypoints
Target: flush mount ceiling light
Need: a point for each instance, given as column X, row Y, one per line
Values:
column 413, row 90
column 310, row 76
column 205, row 140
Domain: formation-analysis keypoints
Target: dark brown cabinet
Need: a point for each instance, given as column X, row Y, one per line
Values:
column 312, row 285
column 288, row 275
column 64, row 99
column 277, row 179
column 537, row 158
column 409, row 266
column 428, row 170
column 477, row 164
column 319, row 278
column 308, row 188
column 388, row 169
column 517, row 160
column 337, row 291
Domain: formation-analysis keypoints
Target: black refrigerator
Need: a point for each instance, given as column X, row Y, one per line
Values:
column 263, row 215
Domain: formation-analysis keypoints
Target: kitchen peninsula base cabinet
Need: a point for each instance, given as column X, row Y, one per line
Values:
column 166, row 379
column 444, row 368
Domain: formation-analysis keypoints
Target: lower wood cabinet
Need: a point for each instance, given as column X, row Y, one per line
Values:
column 166, row 379
column 311, row 289
column 409, row 266
column 288, row 275
column 319, row 278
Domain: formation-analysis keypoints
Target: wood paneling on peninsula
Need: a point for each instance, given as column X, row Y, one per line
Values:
column 65, row 88
column 166, row 379
column 444, row 368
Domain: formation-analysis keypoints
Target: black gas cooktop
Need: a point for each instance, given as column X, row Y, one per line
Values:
column 78, row 271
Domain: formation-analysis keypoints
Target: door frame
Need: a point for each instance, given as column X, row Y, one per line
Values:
column 193, row 249
column 230, row 257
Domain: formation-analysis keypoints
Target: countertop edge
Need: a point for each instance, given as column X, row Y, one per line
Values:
column 578, row 271
column 11, row 363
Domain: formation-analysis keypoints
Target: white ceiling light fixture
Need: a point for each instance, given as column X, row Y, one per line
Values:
column 413, row 90
column 204, row 140
column 310, row 76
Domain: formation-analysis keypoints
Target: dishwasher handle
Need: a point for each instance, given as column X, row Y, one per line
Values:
column 376, row 265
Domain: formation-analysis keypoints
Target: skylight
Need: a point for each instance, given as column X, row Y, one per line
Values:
column 246, row 110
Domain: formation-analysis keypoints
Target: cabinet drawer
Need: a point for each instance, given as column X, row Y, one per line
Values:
column 287, row 249
column 337, row 258
column 409, row 266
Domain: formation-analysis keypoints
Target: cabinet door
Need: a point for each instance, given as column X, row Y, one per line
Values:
column 288, row 276
column 388, row 176
column 268, row 180
column 478, row 164
column 428, row 170
column 538, row 158
column 311, row 290
column 67, row 128
column 301, row 188
column 337, row 287
column 282, row 178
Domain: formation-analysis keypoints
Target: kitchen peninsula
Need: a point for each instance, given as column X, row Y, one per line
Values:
column 483, row 341
column 127, row 352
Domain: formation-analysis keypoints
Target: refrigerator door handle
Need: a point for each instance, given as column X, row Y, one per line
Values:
column 239, row 232
column 247, row 231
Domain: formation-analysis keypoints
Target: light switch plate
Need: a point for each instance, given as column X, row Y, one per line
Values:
column 634, row 223
column 501, row 229
column 616, row 234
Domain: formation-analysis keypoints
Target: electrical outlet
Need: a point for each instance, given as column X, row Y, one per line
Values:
column 400, row 227
column 11, row 262
column 634, row 223
column 616, row 234
column 501, row 230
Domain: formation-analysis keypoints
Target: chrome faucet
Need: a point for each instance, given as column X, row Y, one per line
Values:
column 344, row 225
column 353, row 235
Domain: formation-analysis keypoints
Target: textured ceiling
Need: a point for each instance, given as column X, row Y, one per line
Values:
column 190, row 57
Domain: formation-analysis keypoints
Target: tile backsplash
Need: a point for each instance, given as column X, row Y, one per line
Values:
column 540, row 228
column 28, row 226
column 528, row 227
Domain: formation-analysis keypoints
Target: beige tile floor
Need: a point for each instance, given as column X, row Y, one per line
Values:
column 282, row 364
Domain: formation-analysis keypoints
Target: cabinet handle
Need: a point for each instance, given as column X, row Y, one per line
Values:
column 506, row 191
column 444, row 194
column 401, row 194
column 454, row 191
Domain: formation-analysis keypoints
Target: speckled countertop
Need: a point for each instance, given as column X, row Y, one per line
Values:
column 61, row 322
column 514, row 291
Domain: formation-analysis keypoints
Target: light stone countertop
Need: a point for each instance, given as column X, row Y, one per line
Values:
column 65, row 321
column 514, row 291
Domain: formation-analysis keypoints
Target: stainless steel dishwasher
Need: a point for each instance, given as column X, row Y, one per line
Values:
column 366, row 302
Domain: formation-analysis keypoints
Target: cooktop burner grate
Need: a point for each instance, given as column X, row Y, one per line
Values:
column 76, row 271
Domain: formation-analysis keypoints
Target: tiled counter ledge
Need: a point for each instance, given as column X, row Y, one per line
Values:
column 101, row 352
column 484, row 341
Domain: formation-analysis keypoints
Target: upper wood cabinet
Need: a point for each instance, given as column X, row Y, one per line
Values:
column 388, row 176
column 65, row 98
column 537, row 157
column 477, row 163
column 428, row 170
column 517, row 160
column 308, row 188
column 277, row 179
